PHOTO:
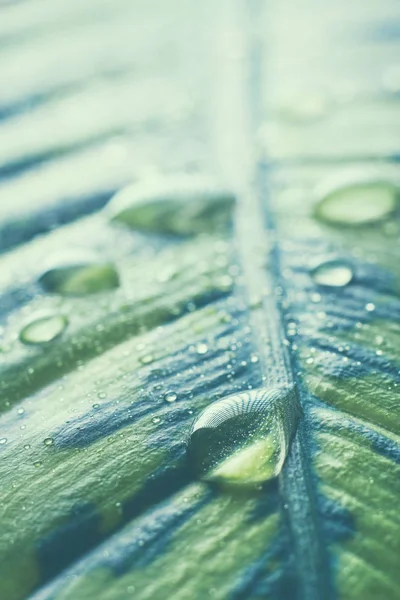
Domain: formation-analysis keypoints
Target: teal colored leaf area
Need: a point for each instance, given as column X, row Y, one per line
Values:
column 199, row 300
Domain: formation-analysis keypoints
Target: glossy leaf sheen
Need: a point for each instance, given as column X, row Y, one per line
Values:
column 98, row 498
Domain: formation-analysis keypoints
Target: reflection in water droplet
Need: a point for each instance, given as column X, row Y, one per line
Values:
column 48, row 441
column 358, row 202
column 201, row 348
column 244, row 438
column 170, row 397
column 147, row 359
column 182, row 205
column 79, row 274
column 332, row 273
column 43, row 329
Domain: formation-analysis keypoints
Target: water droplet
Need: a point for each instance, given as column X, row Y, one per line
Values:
column 48, row 441
column 244, row 438
column 27, row 446
column 359, row 202
column 96, row 406
column 43, row 329
column 315, row 298
column 332, row 273
column 38, row 463
column 78, row 274
column 254, row 358
column 370, row 307
column 182, row 205
column 156, row 420
column 170, row 397
column 3, row 441
column 147, row 359
column 201, row 348
column 21, row 411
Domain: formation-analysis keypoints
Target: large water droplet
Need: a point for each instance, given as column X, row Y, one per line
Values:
column 244, row 439
column 333, row 273
column 358, row 202
column 79, row 274
column 43, row 329
column 182, row 205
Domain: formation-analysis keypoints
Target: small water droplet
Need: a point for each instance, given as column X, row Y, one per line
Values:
column 38, row 463
column 27, row 446
column 201, row 348
column 3, row 441
column 21, row 411
column 96, row 406
column 156, row 420
column 182, row 205
column 315, row 298
column 332, row 273
column 360, row 202
column 254, row 358
column 244, row 438
column 79, row 274
column 43, row 329
column 102, row 395
column 370, row 307
column 48, row 441
column 170, row 397
column 147, row 359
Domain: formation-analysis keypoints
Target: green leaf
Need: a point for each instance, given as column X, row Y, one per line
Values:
column 169, row 309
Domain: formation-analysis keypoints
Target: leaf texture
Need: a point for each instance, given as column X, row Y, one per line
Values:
column 97, row 496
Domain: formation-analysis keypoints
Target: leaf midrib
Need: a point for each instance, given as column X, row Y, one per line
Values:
column 239, row 96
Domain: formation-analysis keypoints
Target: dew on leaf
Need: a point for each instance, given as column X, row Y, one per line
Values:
column 43, row 329
column 370, row 307
column 147, row 359
column 48, row 441
column 79, row 274
column 332, row 273
column 243, row 439
column 181, row 205
column 201, row 348
column 170, row 397
column 3, row 441
column 356, row 203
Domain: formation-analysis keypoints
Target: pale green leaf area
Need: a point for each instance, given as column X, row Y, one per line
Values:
column 199, row 300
